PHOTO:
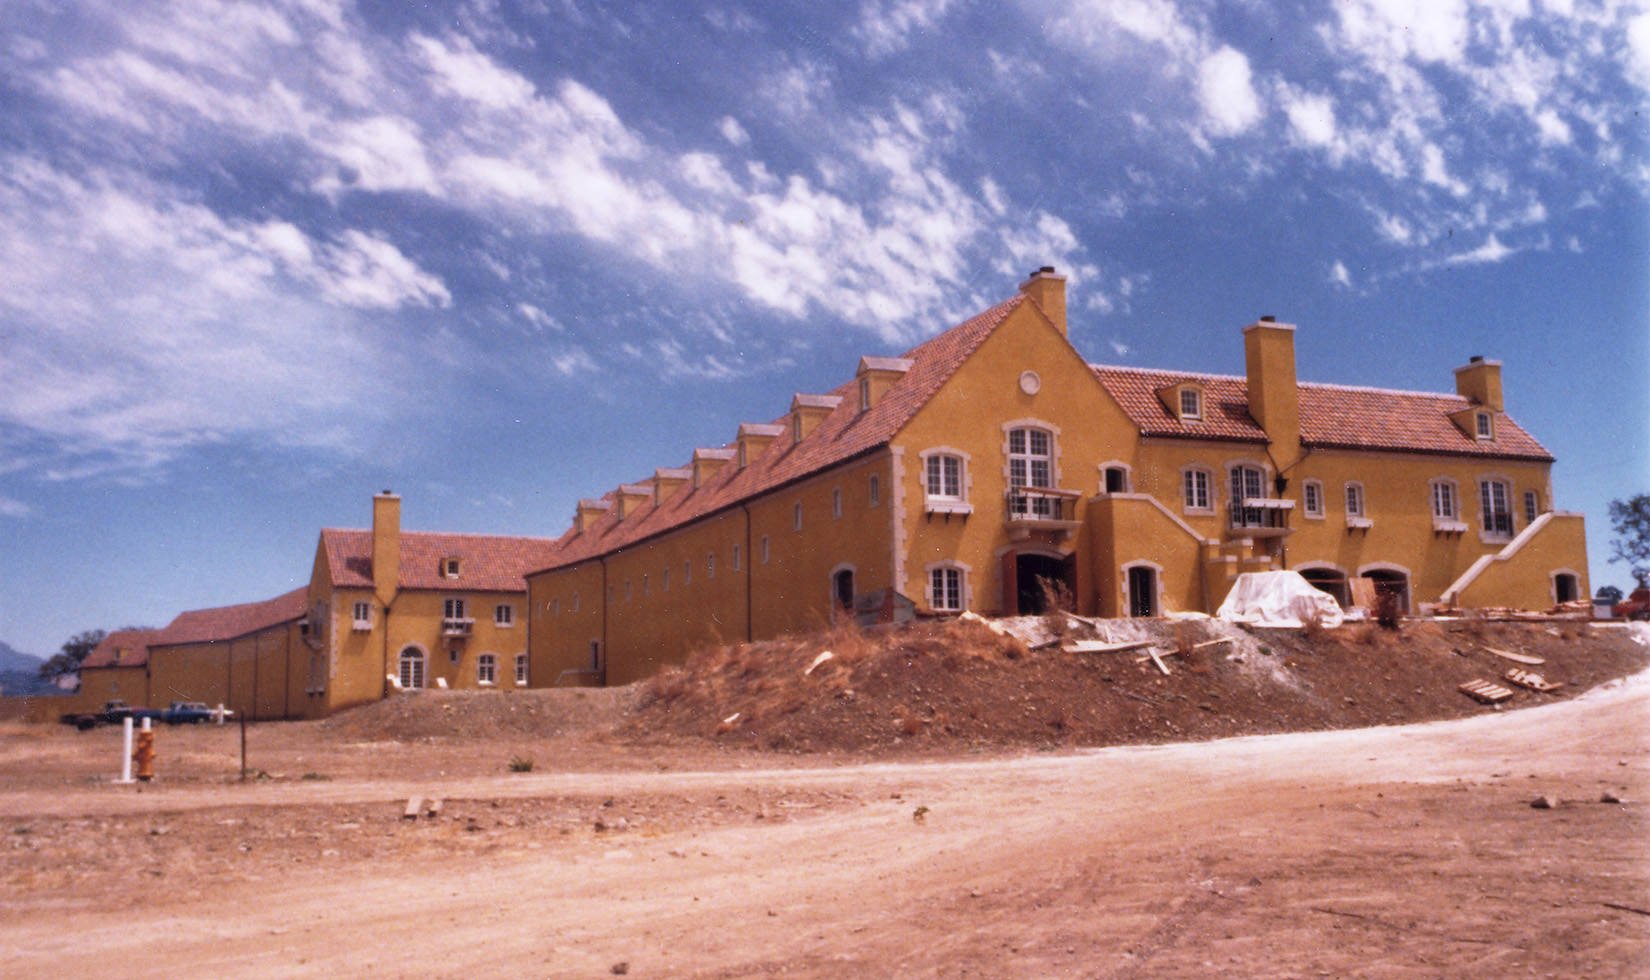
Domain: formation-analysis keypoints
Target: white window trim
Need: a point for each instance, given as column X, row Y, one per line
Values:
column 964, row 584
column 1552, row 583
column 1123, row 585
column 873, row 491
column 507, row 610
column 522, row 669
column 1483, row 426
column 737, row 563
column 1128, row 475
column 487, row 662
column 1532, row 506
column 1496, row 537
column 1362, row 513
column 1208, row 489
column 864, row 394
column 1322, row 510
column 939, row 503
column 1196, row 392
column 424, row 659
column 796, row 516
column 359, row 622
column 766, row 550
column 836, row 503
column 1055, row 444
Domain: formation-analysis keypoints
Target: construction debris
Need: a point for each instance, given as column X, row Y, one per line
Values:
column 1099, row 646
column 415, row 806
column 1485, row 692
column 1545, row 803
column 1157, row 661
column 827, row 655
column 1531, row 680
column 1518, row 658
column 432, row 809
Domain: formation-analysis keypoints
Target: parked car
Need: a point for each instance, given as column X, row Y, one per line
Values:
column 113, row 713
column 187, row 713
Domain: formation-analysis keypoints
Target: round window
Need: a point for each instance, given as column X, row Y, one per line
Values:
column 1030, row 383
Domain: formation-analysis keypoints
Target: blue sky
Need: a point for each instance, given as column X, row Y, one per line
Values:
column 259, row 260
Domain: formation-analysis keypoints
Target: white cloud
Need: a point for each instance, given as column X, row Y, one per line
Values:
column 138, row 326
column 885, row 26
column 1554, row 130
column 1227, row 94
column 12, row 507
column 537, row 317
column 1339, row 275
column 1637, row 36
column 1490, row 252
column 733, row 132
column 1312, row 120
column 1118, row 347
column 573, row 362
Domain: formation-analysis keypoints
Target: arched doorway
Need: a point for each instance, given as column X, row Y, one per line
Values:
column 1391, row 582
column 1330, row 580
column 842, row 591
column 1142, row 586
column 411, row 668
column 1038, row 576
column 1566, row 587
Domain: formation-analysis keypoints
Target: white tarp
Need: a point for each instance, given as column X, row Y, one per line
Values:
column 1281, row 599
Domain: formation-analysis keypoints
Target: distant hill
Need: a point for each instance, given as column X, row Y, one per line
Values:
column 18, row 672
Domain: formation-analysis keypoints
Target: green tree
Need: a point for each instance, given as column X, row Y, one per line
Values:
column 1630, row 519
column 1609, row 593
column 75, row 649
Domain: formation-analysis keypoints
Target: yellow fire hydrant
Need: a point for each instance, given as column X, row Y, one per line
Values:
column 143, row 753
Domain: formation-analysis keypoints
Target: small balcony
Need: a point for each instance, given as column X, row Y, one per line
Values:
column 457, row 627
column 1041, row 509
column 1261, row 517
column 361, row 626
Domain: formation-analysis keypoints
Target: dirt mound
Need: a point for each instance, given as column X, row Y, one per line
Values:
column 945, row 686
column 482, row 714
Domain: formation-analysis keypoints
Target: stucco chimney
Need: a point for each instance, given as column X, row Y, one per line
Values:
column 1047, row 289
column 1274, row 399
column 386, row 545
column 1479, row 381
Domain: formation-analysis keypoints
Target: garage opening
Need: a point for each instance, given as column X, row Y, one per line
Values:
column 1388, row 582
column 1331, row 581
column 1036, row 576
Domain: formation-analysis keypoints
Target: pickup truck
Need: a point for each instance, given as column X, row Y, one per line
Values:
column 189, row 713
column 113, row 713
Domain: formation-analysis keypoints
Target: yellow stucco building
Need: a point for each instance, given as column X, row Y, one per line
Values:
column 994, row 458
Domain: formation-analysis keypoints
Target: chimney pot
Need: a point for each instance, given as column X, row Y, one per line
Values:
column 1476, row 359
column 1045, row 268
column 1268, row 318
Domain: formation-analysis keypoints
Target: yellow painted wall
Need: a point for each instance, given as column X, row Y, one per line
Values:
column 1525, row 568
column 362, row 658
column 1130, row 529
column 968, row 414
column 566, row 618
column 129, row 684
column 189, row 672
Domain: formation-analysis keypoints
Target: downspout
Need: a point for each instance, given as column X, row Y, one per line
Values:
column 385, row 684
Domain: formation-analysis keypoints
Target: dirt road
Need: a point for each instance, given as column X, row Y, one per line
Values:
column 1404, row 851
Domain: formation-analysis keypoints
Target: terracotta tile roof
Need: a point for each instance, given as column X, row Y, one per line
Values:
column 487, row 562
column 1332, row 416
column 842, row 435
column 231, row 622
column 122, row 648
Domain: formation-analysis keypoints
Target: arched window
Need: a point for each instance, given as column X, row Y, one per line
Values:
column 487, row 669
column 412, row 668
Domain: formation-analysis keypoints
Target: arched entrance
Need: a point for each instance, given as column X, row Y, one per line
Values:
column 1330, row 580
column 411, row 665
column 1391, row 582
column 1566, row 587
column 842, row 592
column 1037, row 576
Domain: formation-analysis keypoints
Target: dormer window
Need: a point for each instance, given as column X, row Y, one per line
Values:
column 864, row 394
column 796, row 428
column 1191, row 403
column 449, row 567
column 1484, row 425
column 744, row 456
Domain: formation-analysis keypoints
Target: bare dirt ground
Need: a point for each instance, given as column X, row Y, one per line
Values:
column 669, row 850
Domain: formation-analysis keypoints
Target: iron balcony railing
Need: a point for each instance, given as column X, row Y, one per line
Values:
column 1042, row 505
column 456, row 627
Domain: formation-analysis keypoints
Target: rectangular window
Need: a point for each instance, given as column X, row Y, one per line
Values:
column 1195, row 488
column 452, row 608
column 521, row 670
column 796, row 516
column 627, row 591
column 943, row 477
column 1312, row 498
column 744, row 456
column 764, row 549
column 1443, row 501
column 687, row 573
column 1485, row 427
column 1354, row 500
column 1191, row 403
column 1495, row 501
column 945, row 587
column 644, row 584
column 864, row 393
column 710, row 565
column 664, row 581
column 796, row 428
column 449, row 567
column 875, row 493
column 1532, row 506
column 362, row 615
column 504, row 615
column 486, row 669
column 736, row 558
column 836, row 504
column 575, row 602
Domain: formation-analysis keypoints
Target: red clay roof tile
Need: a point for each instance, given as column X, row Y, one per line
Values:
column 487, row 562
